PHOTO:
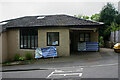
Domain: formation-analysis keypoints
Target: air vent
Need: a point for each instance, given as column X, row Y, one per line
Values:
column 40, row 17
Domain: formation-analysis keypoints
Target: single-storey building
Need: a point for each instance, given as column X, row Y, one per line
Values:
column 25, row 34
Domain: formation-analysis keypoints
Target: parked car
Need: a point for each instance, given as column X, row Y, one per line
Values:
column 117, row 47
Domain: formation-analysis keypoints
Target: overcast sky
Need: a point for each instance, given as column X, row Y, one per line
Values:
column 10, row 10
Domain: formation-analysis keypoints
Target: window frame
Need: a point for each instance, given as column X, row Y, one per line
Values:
column 84, row 36
column 58, row 39
column 20, row 33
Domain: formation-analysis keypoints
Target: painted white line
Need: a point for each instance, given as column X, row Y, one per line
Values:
column 50, row 74
column 80, row 74
column 81, row 69
column 68, row 67
column 59, row 71
column 102, row 65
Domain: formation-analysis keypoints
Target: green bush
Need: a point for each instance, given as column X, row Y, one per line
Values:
column 21, row 58
column 101, row 41
column 16, row 58
column 28, row 56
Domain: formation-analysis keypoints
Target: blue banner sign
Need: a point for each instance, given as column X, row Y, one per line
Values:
column 49, row 52
column 88, row 46
column 38, row 53
column 45, row 52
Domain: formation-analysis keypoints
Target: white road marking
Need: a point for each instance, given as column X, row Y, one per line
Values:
column 81, row 69
column 80, row 74
column 61, row 72
column 102, row 65
column 50, row 74
column 67, row 67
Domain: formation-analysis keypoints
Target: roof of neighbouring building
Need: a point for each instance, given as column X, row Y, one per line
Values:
column 46, row 21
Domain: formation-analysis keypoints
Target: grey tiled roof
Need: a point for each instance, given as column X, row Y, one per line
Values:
column 47, row 20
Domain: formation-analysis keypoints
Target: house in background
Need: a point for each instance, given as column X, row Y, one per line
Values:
column 67, row 33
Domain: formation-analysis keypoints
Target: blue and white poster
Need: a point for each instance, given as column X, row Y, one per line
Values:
column 49, row 52
column 46, row 52
column 38, row 53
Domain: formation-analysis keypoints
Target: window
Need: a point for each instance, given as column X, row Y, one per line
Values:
column 84, row 37
column 52, row 38
column 28, row 38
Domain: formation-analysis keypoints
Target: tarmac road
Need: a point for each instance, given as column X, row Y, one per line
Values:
column 95, row 71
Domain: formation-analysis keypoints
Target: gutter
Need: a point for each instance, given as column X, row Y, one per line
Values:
column 46, row 26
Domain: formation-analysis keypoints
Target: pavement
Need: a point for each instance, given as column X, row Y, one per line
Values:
column 103, row 64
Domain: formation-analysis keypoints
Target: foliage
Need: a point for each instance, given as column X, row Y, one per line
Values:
column 108, row 13
column 6, row 63
column 85, row 17
column 101, row 41
column 21, row 58
column 117, row 19
column 81, row 16
column 114, row 26
column 28, row 56
column 106, row 33
column 16, row 58
column 95, row 17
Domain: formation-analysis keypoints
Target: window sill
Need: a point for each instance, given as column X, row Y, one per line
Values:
column 52, row 45
column 27, row 49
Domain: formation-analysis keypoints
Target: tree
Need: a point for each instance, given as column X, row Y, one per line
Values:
column 85, row 17
column 95, row 17
column 114, row 27
column 108, row 13
column 117, row 19
column 81, row 16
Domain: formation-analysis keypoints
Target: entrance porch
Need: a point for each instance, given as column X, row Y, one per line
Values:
column 84, row 39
